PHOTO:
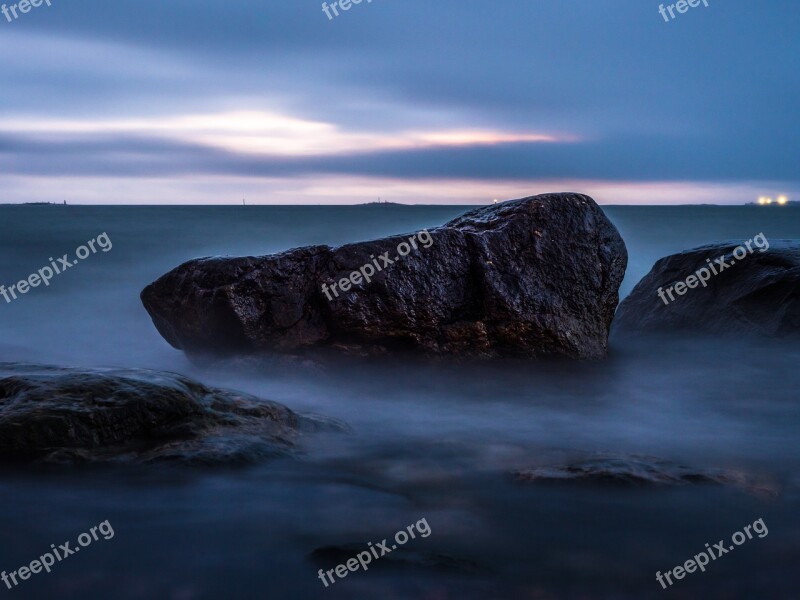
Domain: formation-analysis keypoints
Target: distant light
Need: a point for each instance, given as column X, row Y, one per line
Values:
column 769, row 200
column 762, row 200
column 495, row 200
column 782, row 200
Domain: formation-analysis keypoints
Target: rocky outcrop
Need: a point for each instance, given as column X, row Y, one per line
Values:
column 640, row 471
column 756, row 292
column 534, row 277
column 56, row 415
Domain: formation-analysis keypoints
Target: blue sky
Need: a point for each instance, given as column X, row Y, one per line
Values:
column 414, row 101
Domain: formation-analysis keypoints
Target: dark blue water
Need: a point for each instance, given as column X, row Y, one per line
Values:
column 429, row 441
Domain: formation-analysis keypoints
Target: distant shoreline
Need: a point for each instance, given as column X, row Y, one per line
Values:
column 791, row 203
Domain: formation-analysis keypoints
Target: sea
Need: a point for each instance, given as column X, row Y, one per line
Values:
column 435, row 441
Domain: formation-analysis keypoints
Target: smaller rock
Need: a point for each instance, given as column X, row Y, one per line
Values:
column 329, row 557
column 57, row 415
column 639, row 471
column 758, row 294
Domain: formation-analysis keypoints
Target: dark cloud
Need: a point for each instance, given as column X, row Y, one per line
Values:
column 634, row 158
column 706, row 97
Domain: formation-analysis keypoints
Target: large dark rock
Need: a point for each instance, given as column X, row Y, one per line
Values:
column 757, row 295
column 532, row 278
column 50, row 414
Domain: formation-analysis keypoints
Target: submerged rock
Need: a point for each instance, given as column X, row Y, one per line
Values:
column 329, row 557
column 534, row 277
column 758, row 294
column 50, row 414
column 639, row 471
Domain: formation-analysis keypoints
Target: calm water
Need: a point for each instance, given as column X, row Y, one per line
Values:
column 428, row 441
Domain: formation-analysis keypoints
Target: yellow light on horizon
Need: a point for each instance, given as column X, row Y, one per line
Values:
column 769, row 200
column 782, row 200
column 762, row 200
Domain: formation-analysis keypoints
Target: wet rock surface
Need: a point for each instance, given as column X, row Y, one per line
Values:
column 755, row 295
column 640, row 471
column 64, row 415
column 535, row 277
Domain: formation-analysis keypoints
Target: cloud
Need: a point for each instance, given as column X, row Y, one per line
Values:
column 413, row 90
column 272, row 133
column 186, row 148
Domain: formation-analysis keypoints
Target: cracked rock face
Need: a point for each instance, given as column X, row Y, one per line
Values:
column 58, row 415
column 756, row 295
column 536, row 277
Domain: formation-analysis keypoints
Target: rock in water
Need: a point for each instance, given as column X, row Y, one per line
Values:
column 535, row 277
column 328, row 557
column 758, row 294
column 641, row 471
column 50, row 414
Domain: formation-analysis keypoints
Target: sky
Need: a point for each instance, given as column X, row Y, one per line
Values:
column 418, row 101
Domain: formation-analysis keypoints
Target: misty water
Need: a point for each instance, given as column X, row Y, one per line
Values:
column 434, row 441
